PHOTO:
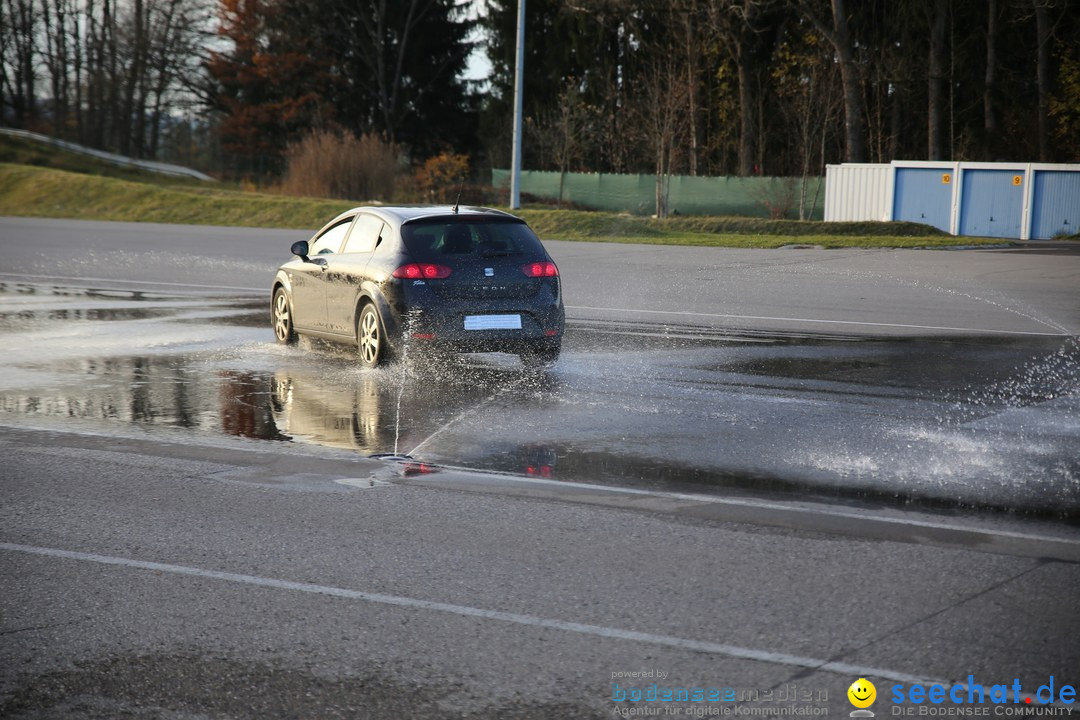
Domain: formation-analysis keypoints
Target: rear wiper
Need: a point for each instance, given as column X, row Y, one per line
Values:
column 501, row 253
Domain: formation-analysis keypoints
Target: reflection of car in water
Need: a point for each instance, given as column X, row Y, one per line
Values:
column 437, row 278
column 306, row 408
column 243, row 407
column 537, row 461
column 362, row 414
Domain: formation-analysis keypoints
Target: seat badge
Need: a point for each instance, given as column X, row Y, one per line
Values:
column 489, row 272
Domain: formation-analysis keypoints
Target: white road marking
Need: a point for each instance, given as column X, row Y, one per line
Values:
column 702, row 646
column 685, row 313
column 766, row 505
column 819, row 322
column 26, row 278
column 362, row 483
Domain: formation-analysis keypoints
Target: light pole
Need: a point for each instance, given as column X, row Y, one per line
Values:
column 519, row 75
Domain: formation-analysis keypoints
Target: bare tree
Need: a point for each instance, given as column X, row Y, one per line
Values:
column 94, row 78
column 694, row 50
column 741, row 25
column 133, row 101
column 990, row 87
column 806, row 85
column 6, row 30
column 19, row 50
column 54, row 16
column 111, row 67
column 564, row 132
column 1042, row 74
column 110, row 62
column 838, row 32
column 173, row 30
column 937, row 13
column 662, row 111
column 75, row 37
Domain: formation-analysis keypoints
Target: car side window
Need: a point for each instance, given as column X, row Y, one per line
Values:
column 330, row 241
column 387, row 244
column 364, row 235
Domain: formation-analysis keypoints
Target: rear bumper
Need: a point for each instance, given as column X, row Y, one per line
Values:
column 514, row 346
column 447, row 330
column 440, row 322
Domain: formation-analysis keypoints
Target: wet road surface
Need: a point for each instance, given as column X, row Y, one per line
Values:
column 942, row 420
column 157, row 579
column 827, row 465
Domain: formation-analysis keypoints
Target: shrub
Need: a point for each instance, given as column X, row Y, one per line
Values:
column 441, row 176
column 331, row 165
column 779, row 197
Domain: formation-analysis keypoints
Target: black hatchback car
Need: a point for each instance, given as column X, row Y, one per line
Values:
column 437, row 278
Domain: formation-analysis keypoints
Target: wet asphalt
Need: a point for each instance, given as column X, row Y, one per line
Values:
column 966, row 421
column 865, row 384
column 908, row 377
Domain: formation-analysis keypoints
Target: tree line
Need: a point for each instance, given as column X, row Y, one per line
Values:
column 104, row 73
column 780, row 87
column 701, row 87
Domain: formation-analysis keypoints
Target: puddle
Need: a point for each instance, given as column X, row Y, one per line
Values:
column 954, row 422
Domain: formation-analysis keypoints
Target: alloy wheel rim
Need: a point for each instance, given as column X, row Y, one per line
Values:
column 369, row 338
column 281, row 317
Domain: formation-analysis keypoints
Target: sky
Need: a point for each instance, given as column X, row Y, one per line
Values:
column 478, row 67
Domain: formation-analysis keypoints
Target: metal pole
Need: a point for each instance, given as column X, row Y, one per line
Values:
column 519, row 75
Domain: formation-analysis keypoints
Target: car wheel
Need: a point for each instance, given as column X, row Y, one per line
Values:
column 281, row 314
column 370, row 337
column 540, row 358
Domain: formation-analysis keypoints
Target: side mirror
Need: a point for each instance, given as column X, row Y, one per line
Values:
column 300, row 249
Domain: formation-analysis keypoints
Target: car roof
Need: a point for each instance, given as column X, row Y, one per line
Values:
column 400, row 214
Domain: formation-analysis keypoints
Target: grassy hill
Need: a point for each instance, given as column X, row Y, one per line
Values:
column 41, row 181
column 44, row 192
column 25, row 151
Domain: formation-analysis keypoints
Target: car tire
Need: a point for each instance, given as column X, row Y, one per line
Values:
column 371, row 338
column 281, row 318
column 540, row 358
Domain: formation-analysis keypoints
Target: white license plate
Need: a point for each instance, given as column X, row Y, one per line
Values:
column 492, row 322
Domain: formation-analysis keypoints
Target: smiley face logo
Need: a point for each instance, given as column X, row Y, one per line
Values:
column 862, row 693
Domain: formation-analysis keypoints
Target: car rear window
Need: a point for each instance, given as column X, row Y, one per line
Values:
column 443, row 240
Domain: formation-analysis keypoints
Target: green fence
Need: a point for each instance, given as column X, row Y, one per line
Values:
column 752, row 196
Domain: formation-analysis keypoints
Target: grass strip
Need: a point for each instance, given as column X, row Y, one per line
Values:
column 43, row 192
column 34, row 191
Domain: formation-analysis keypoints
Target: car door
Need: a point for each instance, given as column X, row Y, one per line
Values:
column 309, row 278
column 347, row 271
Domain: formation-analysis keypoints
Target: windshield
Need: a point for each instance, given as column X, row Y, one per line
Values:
column 444, row 239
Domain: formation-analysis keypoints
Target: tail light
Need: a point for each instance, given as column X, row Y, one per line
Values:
column 540, row 269
column 422, row 271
